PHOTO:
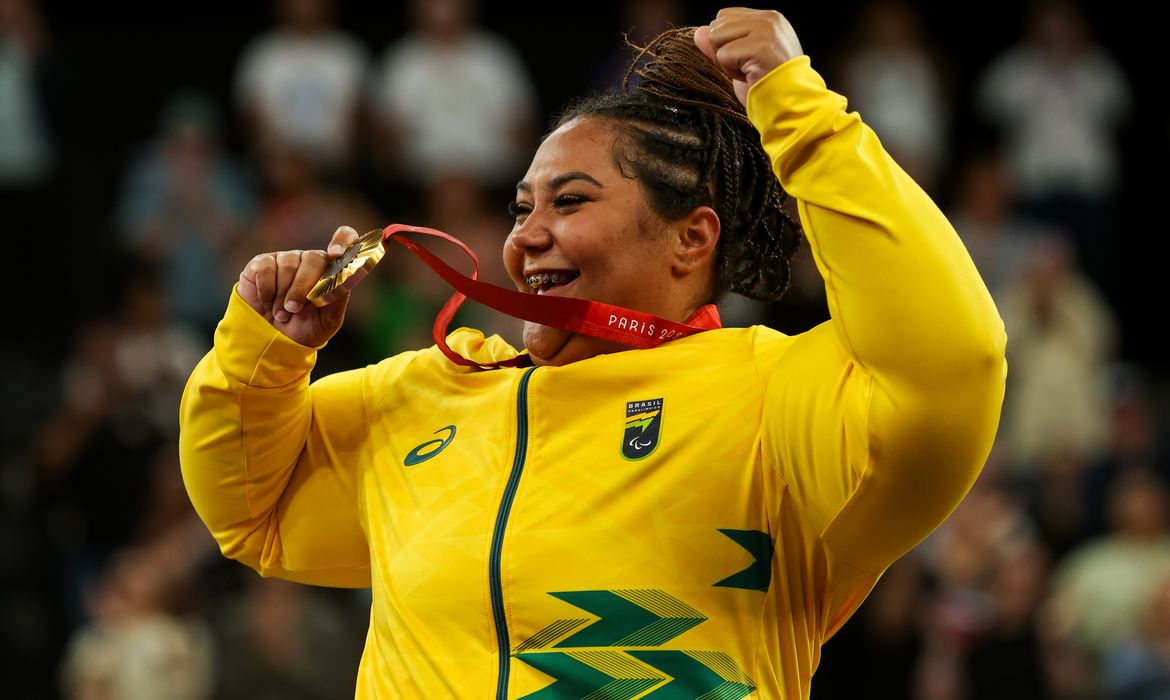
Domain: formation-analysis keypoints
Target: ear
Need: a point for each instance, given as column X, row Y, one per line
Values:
column 694, row 242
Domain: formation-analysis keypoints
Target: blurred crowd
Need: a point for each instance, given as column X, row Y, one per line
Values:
column 1050, row 582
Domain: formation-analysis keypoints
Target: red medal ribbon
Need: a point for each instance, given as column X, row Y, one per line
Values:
column 600, row 320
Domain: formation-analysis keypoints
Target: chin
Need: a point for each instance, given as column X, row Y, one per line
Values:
column 546, row 346
column 555, row 347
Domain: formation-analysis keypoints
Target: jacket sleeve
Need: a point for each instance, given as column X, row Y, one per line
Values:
column 269, row 460
column 879, row 420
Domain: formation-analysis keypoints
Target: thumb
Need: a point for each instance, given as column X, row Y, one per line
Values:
column 703, row 41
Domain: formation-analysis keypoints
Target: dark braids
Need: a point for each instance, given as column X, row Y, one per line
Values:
column 687, row 139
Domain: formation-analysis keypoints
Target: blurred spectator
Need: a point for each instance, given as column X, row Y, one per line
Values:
column 450, row 98
column 1102, row 589
column 300, row 84
column 283, row 641
column 1007, row 661
column 1063, row 337
column 1139, row 669
column 997, row 238
column 1059, row 98
column 1137, row 442
column 899, row 83
column 300, row 211
column 135, row 647
column 988, row 573
column 27, row 90
column 33, row 109
column 129, row 371
column 95, row 454
column 183, row 207
column 1056, row 411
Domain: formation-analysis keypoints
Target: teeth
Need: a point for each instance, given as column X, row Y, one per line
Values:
column 545, row 279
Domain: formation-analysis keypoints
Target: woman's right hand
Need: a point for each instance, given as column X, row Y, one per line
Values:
column 747, row 44
column 277, row 285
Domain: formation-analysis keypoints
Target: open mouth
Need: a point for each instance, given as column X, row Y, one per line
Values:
column 542, row 282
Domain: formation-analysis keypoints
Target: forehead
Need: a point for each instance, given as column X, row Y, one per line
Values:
column 583, row 144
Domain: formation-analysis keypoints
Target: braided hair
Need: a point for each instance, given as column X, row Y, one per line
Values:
column 684, row 135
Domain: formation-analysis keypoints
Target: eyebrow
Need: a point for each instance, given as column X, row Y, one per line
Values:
column 561, row 180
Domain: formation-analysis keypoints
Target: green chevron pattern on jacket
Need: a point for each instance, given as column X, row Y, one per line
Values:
column 583, row 668
column 692, row 679
column 582, row 674
column 758, row 576
column 641, row 618
column 548, row 634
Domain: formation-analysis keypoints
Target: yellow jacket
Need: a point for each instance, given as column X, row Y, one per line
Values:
column 691, row 520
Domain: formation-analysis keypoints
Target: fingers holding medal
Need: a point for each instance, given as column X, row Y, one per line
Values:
column 348, row 268
column 278, row 286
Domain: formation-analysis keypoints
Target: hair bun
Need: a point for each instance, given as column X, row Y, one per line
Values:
column 671, row 67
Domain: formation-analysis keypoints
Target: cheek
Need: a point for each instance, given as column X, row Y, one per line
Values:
column 513, row 260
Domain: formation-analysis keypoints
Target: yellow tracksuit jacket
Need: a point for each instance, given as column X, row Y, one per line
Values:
column 691, row 521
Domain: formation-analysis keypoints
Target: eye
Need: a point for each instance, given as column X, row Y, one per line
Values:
column 570, row 200
column 518, row 209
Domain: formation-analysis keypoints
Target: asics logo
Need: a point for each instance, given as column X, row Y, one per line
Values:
column 430, row 448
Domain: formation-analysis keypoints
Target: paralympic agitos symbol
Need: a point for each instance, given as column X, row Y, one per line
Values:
column 643, row 428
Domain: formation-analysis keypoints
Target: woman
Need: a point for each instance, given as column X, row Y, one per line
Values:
column 669, row 522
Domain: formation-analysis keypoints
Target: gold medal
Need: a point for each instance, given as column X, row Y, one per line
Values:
column 346, row 271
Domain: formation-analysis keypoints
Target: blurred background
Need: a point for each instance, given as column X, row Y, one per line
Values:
column 148, row 151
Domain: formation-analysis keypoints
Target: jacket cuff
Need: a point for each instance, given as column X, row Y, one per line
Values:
column 253, row 352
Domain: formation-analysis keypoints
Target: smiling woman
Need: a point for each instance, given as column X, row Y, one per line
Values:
column 689, row 520
column 586, row 227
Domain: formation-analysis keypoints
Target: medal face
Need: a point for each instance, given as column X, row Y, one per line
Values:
column 350, row 268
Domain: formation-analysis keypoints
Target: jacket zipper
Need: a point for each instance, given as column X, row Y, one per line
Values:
column 495, row 582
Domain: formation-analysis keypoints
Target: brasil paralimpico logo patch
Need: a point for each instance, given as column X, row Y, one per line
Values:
column 643, row 428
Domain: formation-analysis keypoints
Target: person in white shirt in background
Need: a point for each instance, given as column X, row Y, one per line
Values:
column 300, row 84
column 1059, row 100
column 450, row 98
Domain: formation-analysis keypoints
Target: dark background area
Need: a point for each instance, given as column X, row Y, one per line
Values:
column 122, row 60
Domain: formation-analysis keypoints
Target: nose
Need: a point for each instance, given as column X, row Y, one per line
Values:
column 530, row 237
